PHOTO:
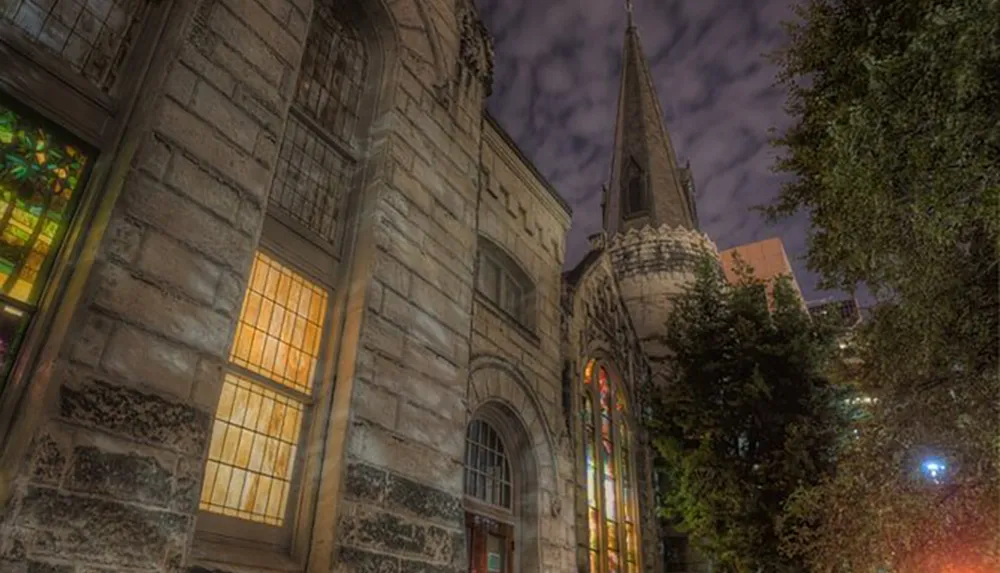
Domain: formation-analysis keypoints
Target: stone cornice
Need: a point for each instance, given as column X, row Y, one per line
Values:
column 658, row 234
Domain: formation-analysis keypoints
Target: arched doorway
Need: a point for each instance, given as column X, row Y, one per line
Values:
column 501, row 494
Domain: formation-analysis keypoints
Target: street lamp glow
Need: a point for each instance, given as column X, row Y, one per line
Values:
column 934, row 469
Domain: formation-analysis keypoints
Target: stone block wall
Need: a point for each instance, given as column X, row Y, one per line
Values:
column 652, row 266
column 111, row 478
column 520, row 213
column 517, row 211
column 113, row 473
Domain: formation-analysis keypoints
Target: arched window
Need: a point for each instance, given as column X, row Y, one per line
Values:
column 489, row 493
column 635, row 189
column 505, row 284
column 611, row 501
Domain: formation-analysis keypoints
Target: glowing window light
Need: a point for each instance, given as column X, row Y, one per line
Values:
column 611, row 506
column 258, row 421
column 40, row 174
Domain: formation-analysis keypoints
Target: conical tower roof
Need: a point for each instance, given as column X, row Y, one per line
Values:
column 647, row 187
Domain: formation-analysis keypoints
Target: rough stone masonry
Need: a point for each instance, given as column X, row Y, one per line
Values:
column 308, row 311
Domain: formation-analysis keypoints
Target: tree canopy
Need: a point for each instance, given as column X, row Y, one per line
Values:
column 895, row 155
column 747, row 416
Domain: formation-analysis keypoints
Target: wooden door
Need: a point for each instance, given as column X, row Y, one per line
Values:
column 490, row 545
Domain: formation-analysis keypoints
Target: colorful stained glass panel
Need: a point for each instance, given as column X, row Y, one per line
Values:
column 591, row 471
column 594, row 525
column 39, row 178
column 612, row 535
column 613, row 563
column 602, row 384
column 610, row 503
column 611, row 511
column 630, row 542
column 41, row 174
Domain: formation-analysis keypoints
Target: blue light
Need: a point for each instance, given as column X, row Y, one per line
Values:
column 934, row 469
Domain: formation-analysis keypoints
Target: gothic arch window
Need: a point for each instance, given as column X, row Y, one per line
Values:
column 505, row 284
column 489, row 492
column 634, row 192
column 256, row 474
column 613, row 540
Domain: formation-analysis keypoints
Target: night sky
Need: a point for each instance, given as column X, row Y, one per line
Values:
column 556, row 93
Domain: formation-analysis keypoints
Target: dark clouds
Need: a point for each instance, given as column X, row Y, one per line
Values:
column 556, row 92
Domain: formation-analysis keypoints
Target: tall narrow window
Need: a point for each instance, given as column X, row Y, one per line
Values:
column 320, row 149
column 40, row 176
column 256, row 475
column 268, row 391
column 634, row 189
column 489, row 493
column 611, row 505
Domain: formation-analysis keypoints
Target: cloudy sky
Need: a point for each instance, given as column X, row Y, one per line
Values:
column 556, row 92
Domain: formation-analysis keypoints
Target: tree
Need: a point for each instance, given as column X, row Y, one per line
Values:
column 895, row 153
column 746, row 417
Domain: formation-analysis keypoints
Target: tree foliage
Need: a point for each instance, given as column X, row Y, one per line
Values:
column 746, row 418
column 895, row 153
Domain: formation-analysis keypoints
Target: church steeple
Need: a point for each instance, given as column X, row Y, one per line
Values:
column 647, row 185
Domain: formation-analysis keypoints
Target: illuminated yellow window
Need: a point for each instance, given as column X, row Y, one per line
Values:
column 40, row 177
column 265, row 395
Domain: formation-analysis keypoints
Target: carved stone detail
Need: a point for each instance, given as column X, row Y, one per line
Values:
column 475, row 49
column 605, row 318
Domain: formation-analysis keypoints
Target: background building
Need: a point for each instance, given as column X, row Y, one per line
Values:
column 768, row 260
column 845, row 313
column 279, row 295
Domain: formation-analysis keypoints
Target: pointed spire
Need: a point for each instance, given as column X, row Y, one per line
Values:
column 647, row 184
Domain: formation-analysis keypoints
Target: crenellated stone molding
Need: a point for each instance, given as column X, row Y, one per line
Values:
column 658, row 250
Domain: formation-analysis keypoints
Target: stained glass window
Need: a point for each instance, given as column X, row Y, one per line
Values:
column 41, row 175
column 265, row 395
column 611, row 511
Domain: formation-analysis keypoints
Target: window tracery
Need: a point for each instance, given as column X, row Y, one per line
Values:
column 611, row 503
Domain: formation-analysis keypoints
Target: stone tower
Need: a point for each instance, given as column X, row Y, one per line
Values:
column 650, row 221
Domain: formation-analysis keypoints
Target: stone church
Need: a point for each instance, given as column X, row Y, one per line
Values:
column 280, row 296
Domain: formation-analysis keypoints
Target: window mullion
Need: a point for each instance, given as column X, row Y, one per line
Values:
column 620, row 486
column 595, row 436
column 305, row 399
